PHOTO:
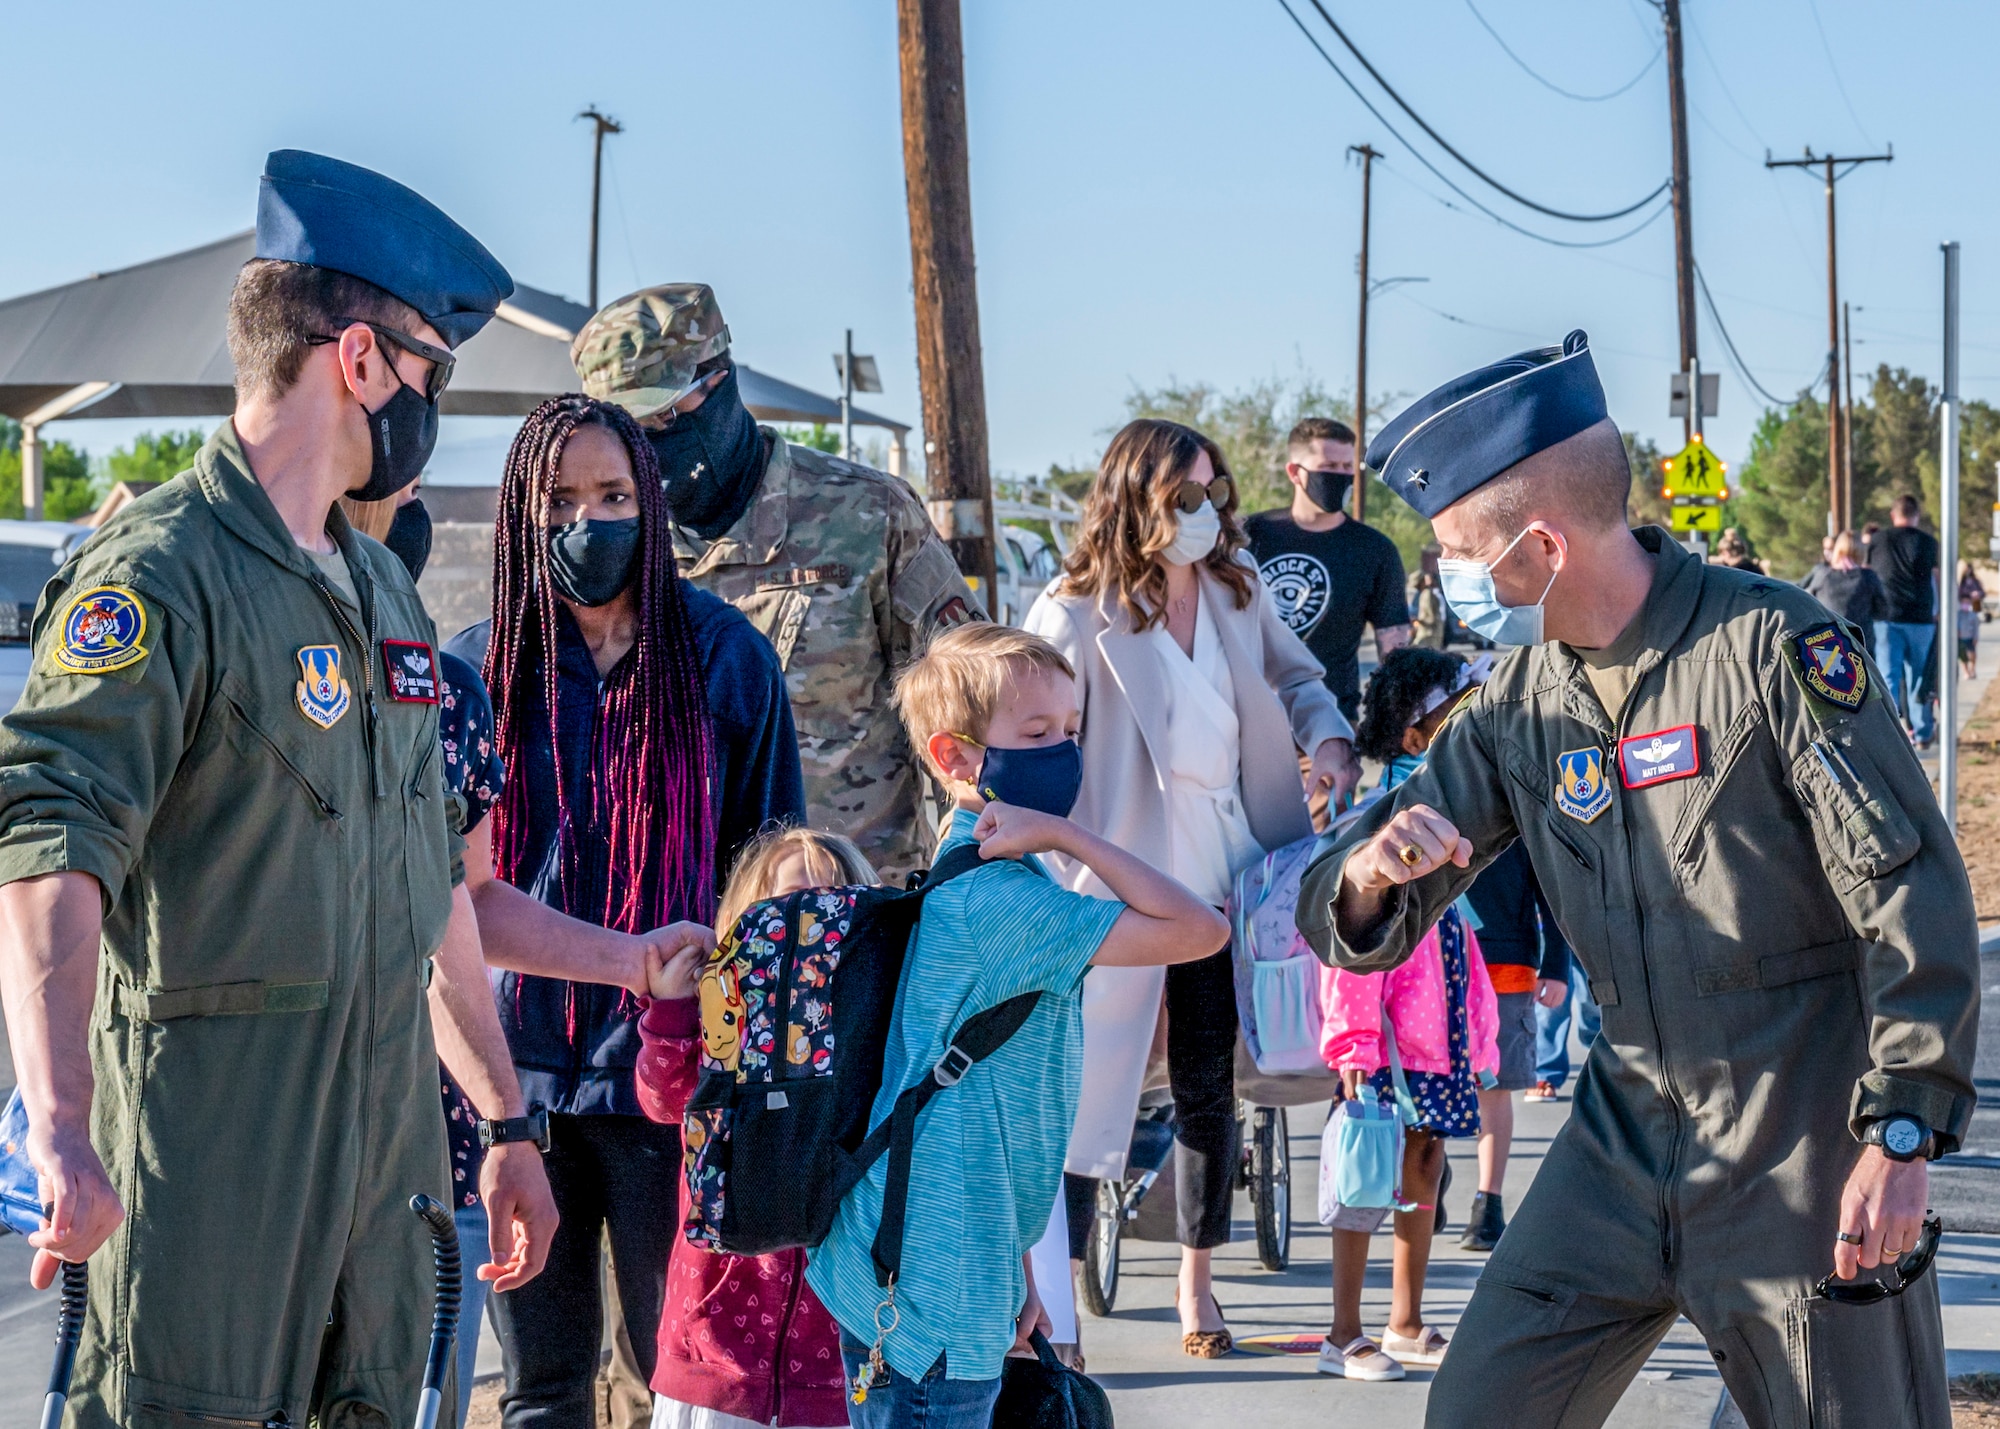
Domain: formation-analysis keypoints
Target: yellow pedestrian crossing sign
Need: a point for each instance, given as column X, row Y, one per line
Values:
column 1691, row 517
column 1694, row 471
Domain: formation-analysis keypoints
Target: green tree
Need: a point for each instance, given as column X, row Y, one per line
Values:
column 1895, row 444
column 819, row 436
column 1648, row 507
column 68, row 491
column 151, row 457
column 1780, row 493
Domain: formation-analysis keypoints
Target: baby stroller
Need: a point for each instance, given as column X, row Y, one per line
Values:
column 1278, row 1066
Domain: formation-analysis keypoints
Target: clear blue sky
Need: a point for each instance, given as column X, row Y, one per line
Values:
column 1159, row 189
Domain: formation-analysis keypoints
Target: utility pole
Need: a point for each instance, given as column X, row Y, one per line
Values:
column 1840, row 500
column 1847, row 420
column 1945, row 642
column 604, row 124
column 1368, row 157
column 931, row 51
column 1683, row 224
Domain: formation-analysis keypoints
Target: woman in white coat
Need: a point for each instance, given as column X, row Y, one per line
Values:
column 1195, row 697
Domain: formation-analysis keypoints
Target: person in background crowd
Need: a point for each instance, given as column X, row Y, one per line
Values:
column 1328, row 574
column 1732, row 550
column 1196, row 697
column 647, row 738
column 1906, row 558
column 1440, row 1008
column 1810, row 583
column 1430, row 621
column 1971, row 609
column 1851, row 591
column 725, row 1359
column 835, row 564
column 1552, row 1031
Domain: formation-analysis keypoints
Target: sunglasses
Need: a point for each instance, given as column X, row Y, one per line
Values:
column 1220, row 492
column 440, row 358
column 1907, row 1270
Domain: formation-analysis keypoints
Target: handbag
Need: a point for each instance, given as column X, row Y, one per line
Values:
column 1045, row 1393
column 1361, row 1152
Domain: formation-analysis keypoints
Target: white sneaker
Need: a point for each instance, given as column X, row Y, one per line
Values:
column 1361, row 1359
column 1426, row 1349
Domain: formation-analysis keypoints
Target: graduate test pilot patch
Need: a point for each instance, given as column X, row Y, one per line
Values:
column 102, row 629
column 1657, row 757
column 1830, row 666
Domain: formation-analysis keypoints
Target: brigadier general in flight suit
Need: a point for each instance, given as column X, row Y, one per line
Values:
column 227, row 868
column 836, row 564
column 1745, row 854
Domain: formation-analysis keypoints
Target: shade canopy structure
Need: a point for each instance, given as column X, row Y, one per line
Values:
column 149, row 341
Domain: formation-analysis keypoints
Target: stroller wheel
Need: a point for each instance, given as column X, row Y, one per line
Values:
column 1098, row 1284
column 1271, row 1186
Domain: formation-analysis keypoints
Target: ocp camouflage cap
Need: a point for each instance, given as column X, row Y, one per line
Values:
column 641, row 350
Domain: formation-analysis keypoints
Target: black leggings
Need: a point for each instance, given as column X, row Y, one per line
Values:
column 1208, row 1139
column 616, row 1171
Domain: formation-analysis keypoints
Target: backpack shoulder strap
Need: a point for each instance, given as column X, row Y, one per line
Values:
column 959, row 859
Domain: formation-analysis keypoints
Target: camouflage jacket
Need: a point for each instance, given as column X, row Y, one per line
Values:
column 838, row 566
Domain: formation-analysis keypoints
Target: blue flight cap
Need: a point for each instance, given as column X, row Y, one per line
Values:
column 1454, row 440
column 312, row 209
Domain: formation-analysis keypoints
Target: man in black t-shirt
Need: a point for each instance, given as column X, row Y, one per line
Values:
column 1906, row 559
column 1330, row 575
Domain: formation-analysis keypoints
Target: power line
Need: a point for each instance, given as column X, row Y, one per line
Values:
column 1550, row 84
column 1729, row 345
column 1439, row 174
column 1838, row 82
column 1478, row 172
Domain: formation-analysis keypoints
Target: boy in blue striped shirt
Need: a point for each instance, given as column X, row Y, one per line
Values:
column 994, row 712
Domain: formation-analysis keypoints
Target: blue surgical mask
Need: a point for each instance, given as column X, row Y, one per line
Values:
column 1399, row 769
column 1044, row 777
column 1467, row 587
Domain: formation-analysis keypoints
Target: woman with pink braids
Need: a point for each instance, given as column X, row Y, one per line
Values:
column 647, row 737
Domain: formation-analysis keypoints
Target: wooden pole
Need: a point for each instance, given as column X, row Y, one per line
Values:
column 603, row 125
column 1683, row 223
column 1368, row 158
column 930, row 47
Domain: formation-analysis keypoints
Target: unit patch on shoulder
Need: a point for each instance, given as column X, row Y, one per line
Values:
column 323, row 695
column 1655, row 758
column 411, row 667
column 102, row 629
column 1830, row 666
column 1581, row 790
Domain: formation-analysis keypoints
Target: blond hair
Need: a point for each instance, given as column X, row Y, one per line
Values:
column 370, row 518
column 958, row 682
column 830, row 860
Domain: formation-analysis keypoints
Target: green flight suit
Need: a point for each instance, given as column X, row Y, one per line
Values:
column 223, row 752
column 1783, row 942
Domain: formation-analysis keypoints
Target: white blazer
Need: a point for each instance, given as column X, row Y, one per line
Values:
column 1282, row 706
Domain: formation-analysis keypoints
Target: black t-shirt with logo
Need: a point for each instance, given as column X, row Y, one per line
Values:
column 1326, row 586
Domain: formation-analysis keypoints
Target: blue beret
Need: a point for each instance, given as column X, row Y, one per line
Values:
column 312, row 209
column 1454, row 440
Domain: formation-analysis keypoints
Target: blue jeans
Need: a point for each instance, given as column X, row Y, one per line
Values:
column 1905, row 651
column 1552, row 1028
column 472, row 1253
column 933, row 1402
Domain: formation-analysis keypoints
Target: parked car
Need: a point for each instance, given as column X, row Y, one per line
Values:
column 30, row 552
column 1024, row 563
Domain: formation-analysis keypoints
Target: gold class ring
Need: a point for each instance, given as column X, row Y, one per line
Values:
column 1411, row 855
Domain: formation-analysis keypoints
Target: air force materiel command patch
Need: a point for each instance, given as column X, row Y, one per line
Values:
column 323, row 695
column 1830, row 666
column 412, row 671
column 1655, row 758
column 1581, row 790
column 102, row 629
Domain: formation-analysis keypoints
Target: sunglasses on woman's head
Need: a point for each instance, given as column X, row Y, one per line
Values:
column 1192, row 493
column 1908, row 1269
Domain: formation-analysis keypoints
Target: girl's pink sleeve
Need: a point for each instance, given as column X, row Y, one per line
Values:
column 669, row 1043
column 1482, row 1010
column 1350, row 1033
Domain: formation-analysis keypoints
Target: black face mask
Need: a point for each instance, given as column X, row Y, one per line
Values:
column 1328, row 489
column 591, row 561
column 402, row 432
column 409, row 537
column 711, row 461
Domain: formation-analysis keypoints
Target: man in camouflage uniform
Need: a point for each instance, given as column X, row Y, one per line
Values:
column 834, row 562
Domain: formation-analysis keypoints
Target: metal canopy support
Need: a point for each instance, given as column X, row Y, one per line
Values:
column 72, row 401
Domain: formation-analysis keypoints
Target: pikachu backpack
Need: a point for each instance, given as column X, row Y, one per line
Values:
column 795, row 1013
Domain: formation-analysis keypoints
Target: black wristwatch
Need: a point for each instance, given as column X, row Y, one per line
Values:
column 1902, row 1138
column 532, row 1127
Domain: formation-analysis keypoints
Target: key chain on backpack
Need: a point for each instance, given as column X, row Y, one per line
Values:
column 875, row 1368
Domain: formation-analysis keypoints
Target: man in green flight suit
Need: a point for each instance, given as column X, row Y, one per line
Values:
column 227, row 868
column 835, row 563
column 1748, row 860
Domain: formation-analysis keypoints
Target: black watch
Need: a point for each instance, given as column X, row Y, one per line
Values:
column 532, row 1127
column 1902, row 1138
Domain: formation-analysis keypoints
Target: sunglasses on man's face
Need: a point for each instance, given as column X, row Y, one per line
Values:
column 1192, row 493
column 1908, row 1269
column 440, row 358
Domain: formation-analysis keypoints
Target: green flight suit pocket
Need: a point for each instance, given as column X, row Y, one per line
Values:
column 1862, row 827
column 427, row 857
column 1866, row 1366
column 1537, row 1305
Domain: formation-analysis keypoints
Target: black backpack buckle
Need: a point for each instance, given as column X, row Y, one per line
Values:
column 952, row 1066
